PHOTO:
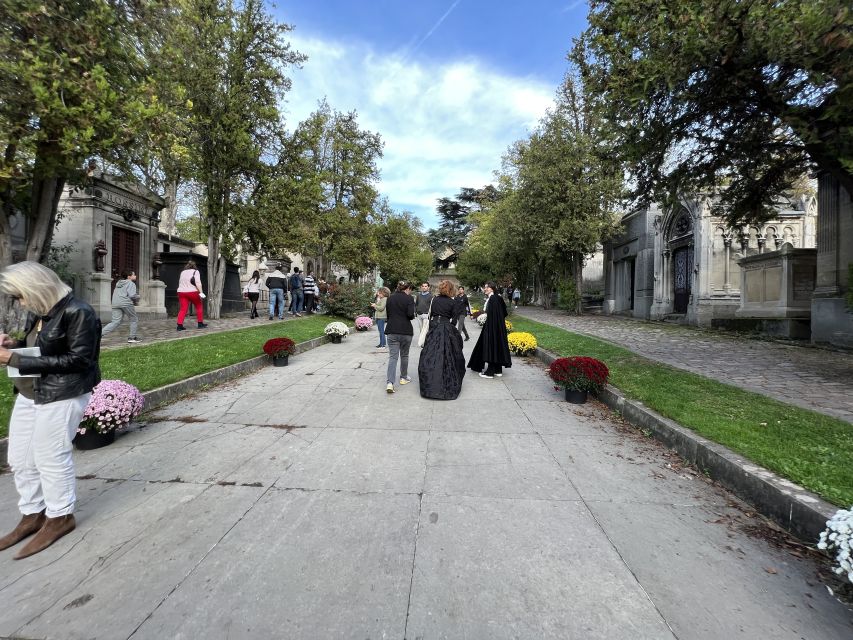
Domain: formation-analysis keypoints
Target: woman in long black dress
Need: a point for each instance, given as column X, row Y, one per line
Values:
column 492, row 347
column 442, row 365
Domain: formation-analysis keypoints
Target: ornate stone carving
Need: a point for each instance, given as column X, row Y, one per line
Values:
column 100, row 253
column 156, row 261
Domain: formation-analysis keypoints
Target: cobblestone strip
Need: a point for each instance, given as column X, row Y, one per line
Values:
column 808, row 377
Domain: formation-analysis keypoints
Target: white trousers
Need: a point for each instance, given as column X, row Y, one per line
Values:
column 40, row 438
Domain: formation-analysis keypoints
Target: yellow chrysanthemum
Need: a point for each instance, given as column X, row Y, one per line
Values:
column 521, row 343
column 508, row 325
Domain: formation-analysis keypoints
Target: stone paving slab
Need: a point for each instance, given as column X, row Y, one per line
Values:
column 808, row 377
column 509, row 514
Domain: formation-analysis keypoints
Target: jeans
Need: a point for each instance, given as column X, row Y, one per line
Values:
column 398, row 347
column 298, row 300
column 380, row 324
column 460, row 324
column 40, row 453
column 118, row 314
column 277, row 295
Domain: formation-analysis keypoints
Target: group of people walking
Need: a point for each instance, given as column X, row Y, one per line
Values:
column 304, row 292
column 441, row 367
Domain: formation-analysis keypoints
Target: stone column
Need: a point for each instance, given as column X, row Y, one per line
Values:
column 157, row 298
column 609, row 304
column 101, row 295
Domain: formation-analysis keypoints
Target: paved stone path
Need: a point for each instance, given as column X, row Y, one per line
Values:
column 817, row 379
column 305, row 502
column 164, row 329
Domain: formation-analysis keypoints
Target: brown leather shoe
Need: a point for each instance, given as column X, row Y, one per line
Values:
column 53, row 530
column 28, row 525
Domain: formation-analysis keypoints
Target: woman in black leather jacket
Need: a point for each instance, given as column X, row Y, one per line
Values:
column 49, row 407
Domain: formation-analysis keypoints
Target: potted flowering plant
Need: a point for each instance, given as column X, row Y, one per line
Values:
column 578, row 375
column 838, row 536
column 114, row 403
column 336, row 331
column 279, row 349
column 508, row 326
column 521, row 343
column 363, row 323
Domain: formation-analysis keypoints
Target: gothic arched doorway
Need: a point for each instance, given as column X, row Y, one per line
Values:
column 680, row 243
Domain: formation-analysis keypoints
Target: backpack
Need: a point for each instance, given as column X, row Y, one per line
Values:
column 295, row 281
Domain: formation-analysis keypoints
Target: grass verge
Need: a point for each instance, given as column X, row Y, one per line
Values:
column 806, row 447
column 150, row 366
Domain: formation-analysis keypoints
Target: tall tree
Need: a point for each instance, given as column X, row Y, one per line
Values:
column 234, row 77
column 401, row 249
column 741, row 93
column 330, row 165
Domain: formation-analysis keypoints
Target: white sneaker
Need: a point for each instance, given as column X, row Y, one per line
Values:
column 499, row 375
column 405, row 380
column 389, row 388
column 133, row 340
column 486, row 375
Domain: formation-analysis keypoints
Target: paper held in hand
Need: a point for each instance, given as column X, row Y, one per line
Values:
column 13, row 372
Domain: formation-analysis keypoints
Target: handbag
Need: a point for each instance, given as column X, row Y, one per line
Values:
column 425, row 327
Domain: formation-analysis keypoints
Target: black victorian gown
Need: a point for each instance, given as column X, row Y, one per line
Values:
column 492, row 345
column 442, row 365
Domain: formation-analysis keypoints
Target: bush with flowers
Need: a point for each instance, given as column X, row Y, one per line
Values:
column 508, row 326
column 521, row 343
column 114, row 403
column 475, row 312
column 279, row 347
column 363, row 323
column 336, row 329
column 481, row 318
column 579, row 373
column 838, row 536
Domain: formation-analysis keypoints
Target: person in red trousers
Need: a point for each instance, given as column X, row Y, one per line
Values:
column 190, row 291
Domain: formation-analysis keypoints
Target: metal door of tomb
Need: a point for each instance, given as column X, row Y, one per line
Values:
column 125, row 252
column 683, row 266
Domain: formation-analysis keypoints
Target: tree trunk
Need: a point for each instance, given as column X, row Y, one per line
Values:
column 215, row 276
column 45, row 201
column 170, row 211
column 577, row 274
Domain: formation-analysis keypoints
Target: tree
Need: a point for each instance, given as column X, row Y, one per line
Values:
column 72, row 87
column 740, row 94
column 233, row 76
column 329, row 168
column 402, row 252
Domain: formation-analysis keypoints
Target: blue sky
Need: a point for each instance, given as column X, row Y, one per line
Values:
column 449, row 84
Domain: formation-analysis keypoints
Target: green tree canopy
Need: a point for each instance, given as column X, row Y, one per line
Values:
column 734, row 93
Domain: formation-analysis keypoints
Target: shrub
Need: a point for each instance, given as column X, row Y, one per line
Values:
column 521, row 343
column 279, row 347
column 579, row 373
column 508, row 326
column 567, row 296
column 114, row 403
column 349, row 300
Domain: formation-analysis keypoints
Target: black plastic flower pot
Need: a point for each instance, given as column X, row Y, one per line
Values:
column 576, row 397
column 93, row 439
column 280, row 361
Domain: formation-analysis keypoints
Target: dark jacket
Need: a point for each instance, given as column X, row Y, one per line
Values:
column 276, row 280
column 423, row 301
column 70, row 343
column 401, row 312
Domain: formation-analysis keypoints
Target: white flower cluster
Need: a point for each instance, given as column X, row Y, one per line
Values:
column 839, row 535
column 481, row 319
column 336, row 328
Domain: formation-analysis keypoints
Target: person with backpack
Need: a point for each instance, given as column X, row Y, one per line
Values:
column 296, row 292
column 276, row 282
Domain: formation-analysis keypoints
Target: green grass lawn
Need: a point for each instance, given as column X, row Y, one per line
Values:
column 154, row 365
column 809, row 448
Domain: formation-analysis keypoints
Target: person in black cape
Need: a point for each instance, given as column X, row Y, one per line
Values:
column 492, row 346
column 442, row 366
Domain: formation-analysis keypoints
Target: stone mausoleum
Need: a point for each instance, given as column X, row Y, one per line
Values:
column 110, row 225
column 685, row 264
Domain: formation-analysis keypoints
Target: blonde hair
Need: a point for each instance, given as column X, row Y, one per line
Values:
column 40, row 287
column 385, row 291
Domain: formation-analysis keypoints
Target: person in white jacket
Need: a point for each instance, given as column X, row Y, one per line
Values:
column 125, row 298
column 252, row 291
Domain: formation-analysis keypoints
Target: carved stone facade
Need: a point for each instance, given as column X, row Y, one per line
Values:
column 682, row 263
column 111, row 225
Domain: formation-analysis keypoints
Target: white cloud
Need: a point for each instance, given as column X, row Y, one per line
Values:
column 445, row 126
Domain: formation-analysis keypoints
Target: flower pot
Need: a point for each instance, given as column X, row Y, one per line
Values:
column 576, row 397
column 93, row 439
column 334, row 338
column 280, row 361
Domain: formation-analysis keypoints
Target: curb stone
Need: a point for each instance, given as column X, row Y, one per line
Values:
column 171, row 392
column 796, row 509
